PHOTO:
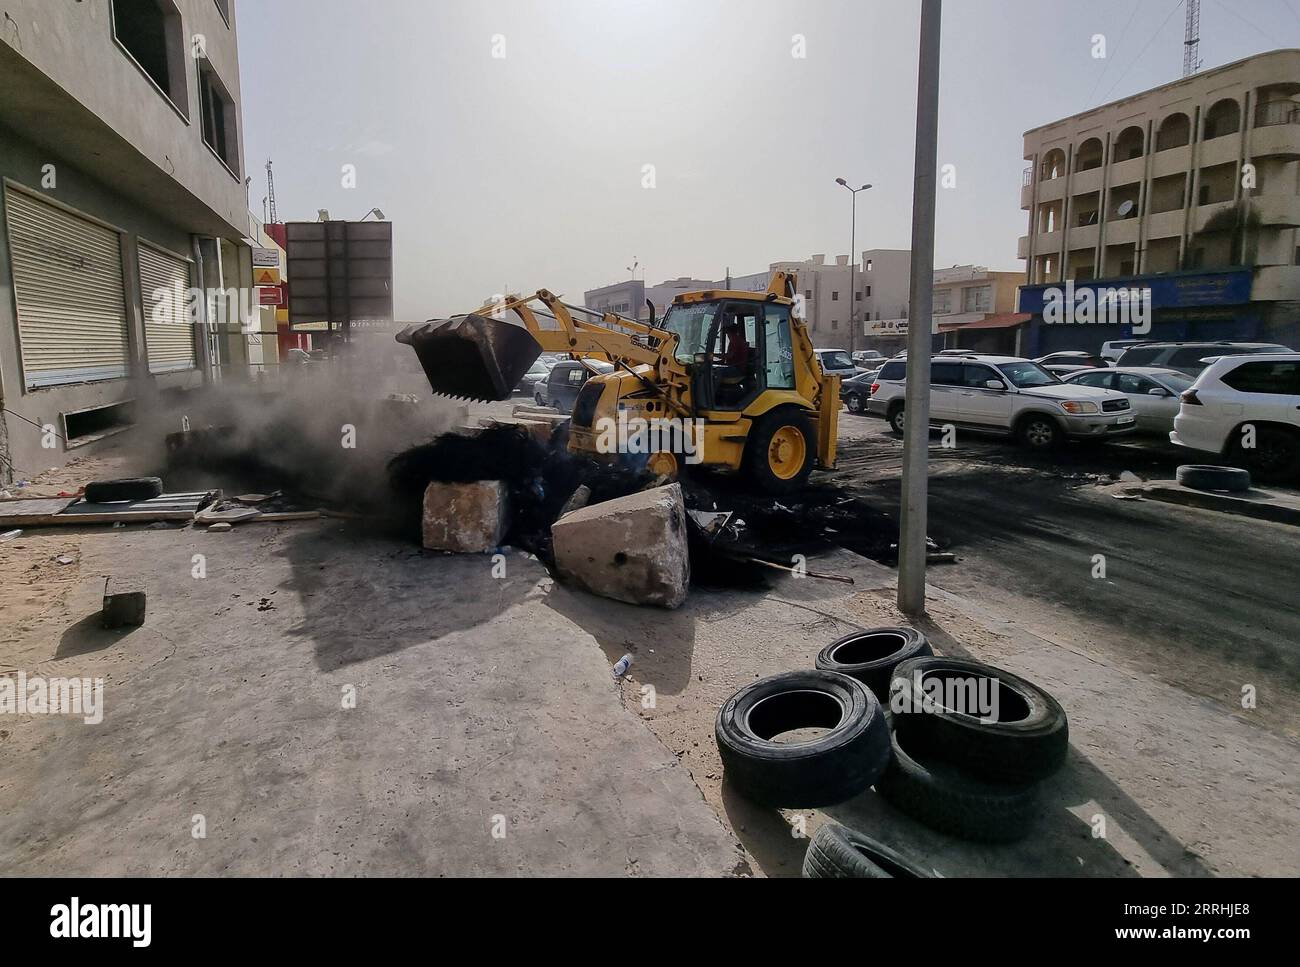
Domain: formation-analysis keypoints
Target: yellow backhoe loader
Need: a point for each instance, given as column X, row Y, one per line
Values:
column 732, row 374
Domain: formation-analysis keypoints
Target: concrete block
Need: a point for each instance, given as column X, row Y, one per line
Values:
column 631, row 549
column 124, row 603
column 467, row 518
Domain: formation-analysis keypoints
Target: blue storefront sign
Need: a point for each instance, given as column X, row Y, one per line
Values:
column 1205, row 304
column 1174, row 290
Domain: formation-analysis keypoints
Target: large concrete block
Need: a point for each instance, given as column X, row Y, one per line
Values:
column 630, row 549
column 465, row 517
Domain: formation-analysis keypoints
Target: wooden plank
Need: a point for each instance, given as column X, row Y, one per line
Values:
column 31, row 511
column 64, row 511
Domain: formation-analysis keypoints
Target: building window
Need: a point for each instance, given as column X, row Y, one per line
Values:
column 867, row 292
column 835, row 296
column 150, row 32
column 977, row 299
column 835, row 323
column 224, row 7
column 218, row 112
column 868, row 265
column 857, row 296
column 942, row 301
column 807, row 295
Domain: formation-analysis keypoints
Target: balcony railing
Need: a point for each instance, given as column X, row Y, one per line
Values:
column 1028, row 178
column 1278, row 112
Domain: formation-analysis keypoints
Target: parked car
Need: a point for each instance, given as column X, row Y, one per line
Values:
column 537, row 373
column 1247, row 410
column 1190, row 357
column 868, row 359
column 855, row 391
column 566, row 378
column 1152, row 393
column 1005, row 395
column 1070, row 361
column 836, row 362
column 1114, row 348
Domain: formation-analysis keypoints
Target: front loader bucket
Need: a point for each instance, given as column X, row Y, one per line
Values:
column 472, row 356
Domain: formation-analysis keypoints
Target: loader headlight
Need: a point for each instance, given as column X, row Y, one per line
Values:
column 1079, row 408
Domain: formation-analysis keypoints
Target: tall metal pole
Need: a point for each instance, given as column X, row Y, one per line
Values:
column 853, row 244
column 916, row 436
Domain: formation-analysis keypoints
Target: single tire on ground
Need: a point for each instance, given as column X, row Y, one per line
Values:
column 1202, row 477
column 1027, row 742
column 946, row 798
column 836, row 852
column 831, row 768
column 870, row 656
column 125, row 488
column 780, row 451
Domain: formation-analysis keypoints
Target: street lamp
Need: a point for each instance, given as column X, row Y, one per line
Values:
column 853, row 260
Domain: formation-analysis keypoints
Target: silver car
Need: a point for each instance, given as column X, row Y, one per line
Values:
column 837, row 362
column 1152, row 392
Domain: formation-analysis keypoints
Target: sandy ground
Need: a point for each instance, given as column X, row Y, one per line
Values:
column 482, row 698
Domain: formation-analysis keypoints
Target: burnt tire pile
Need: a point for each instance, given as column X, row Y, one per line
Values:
column 963, row 748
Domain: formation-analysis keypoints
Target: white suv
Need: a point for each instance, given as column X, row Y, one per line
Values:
column 1007, row 395
column 1247, row 409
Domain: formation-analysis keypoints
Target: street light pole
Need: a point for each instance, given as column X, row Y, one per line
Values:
column 853, row 263
column 916, row 436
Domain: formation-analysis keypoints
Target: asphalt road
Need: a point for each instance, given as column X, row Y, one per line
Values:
column 1196, row 597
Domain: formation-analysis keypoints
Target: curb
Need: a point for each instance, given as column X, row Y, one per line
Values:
column 1256, row 507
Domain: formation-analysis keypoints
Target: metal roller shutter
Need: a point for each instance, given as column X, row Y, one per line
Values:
column 67, row 275
column 168, row 332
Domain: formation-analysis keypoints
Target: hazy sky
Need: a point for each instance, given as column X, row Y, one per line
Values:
column 526, row 171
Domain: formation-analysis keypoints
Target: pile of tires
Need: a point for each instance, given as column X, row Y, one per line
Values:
column 957, row 744
column 973, row 772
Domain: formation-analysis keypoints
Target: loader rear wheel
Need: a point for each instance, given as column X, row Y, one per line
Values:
column 779, row 453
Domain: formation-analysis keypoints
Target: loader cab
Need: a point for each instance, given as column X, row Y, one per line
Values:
column 735, row 349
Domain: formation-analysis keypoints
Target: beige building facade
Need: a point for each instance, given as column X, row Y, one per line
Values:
column 1195, row 179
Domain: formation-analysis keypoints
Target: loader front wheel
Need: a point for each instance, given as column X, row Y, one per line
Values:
column 780, row 451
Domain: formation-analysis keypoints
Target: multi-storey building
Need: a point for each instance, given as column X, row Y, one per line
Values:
column 120, row 155
column 1189, row 192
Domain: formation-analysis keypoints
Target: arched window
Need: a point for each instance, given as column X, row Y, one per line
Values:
column 1089, row 155
column 1223, row 117
column 1130, row 144
column 1053, row 165
column 1175, row 131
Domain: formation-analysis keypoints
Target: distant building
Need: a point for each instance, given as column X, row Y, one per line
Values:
column 625, row 298
column 1187, row 191
column 976, row 309
column 629, row 298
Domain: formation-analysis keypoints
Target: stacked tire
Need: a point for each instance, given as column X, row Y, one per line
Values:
column 973, row 772
column 958, row 745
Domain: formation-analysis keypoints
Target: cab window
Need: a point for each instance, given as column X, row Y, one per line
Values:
column 778, row 351
column 692, row 322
